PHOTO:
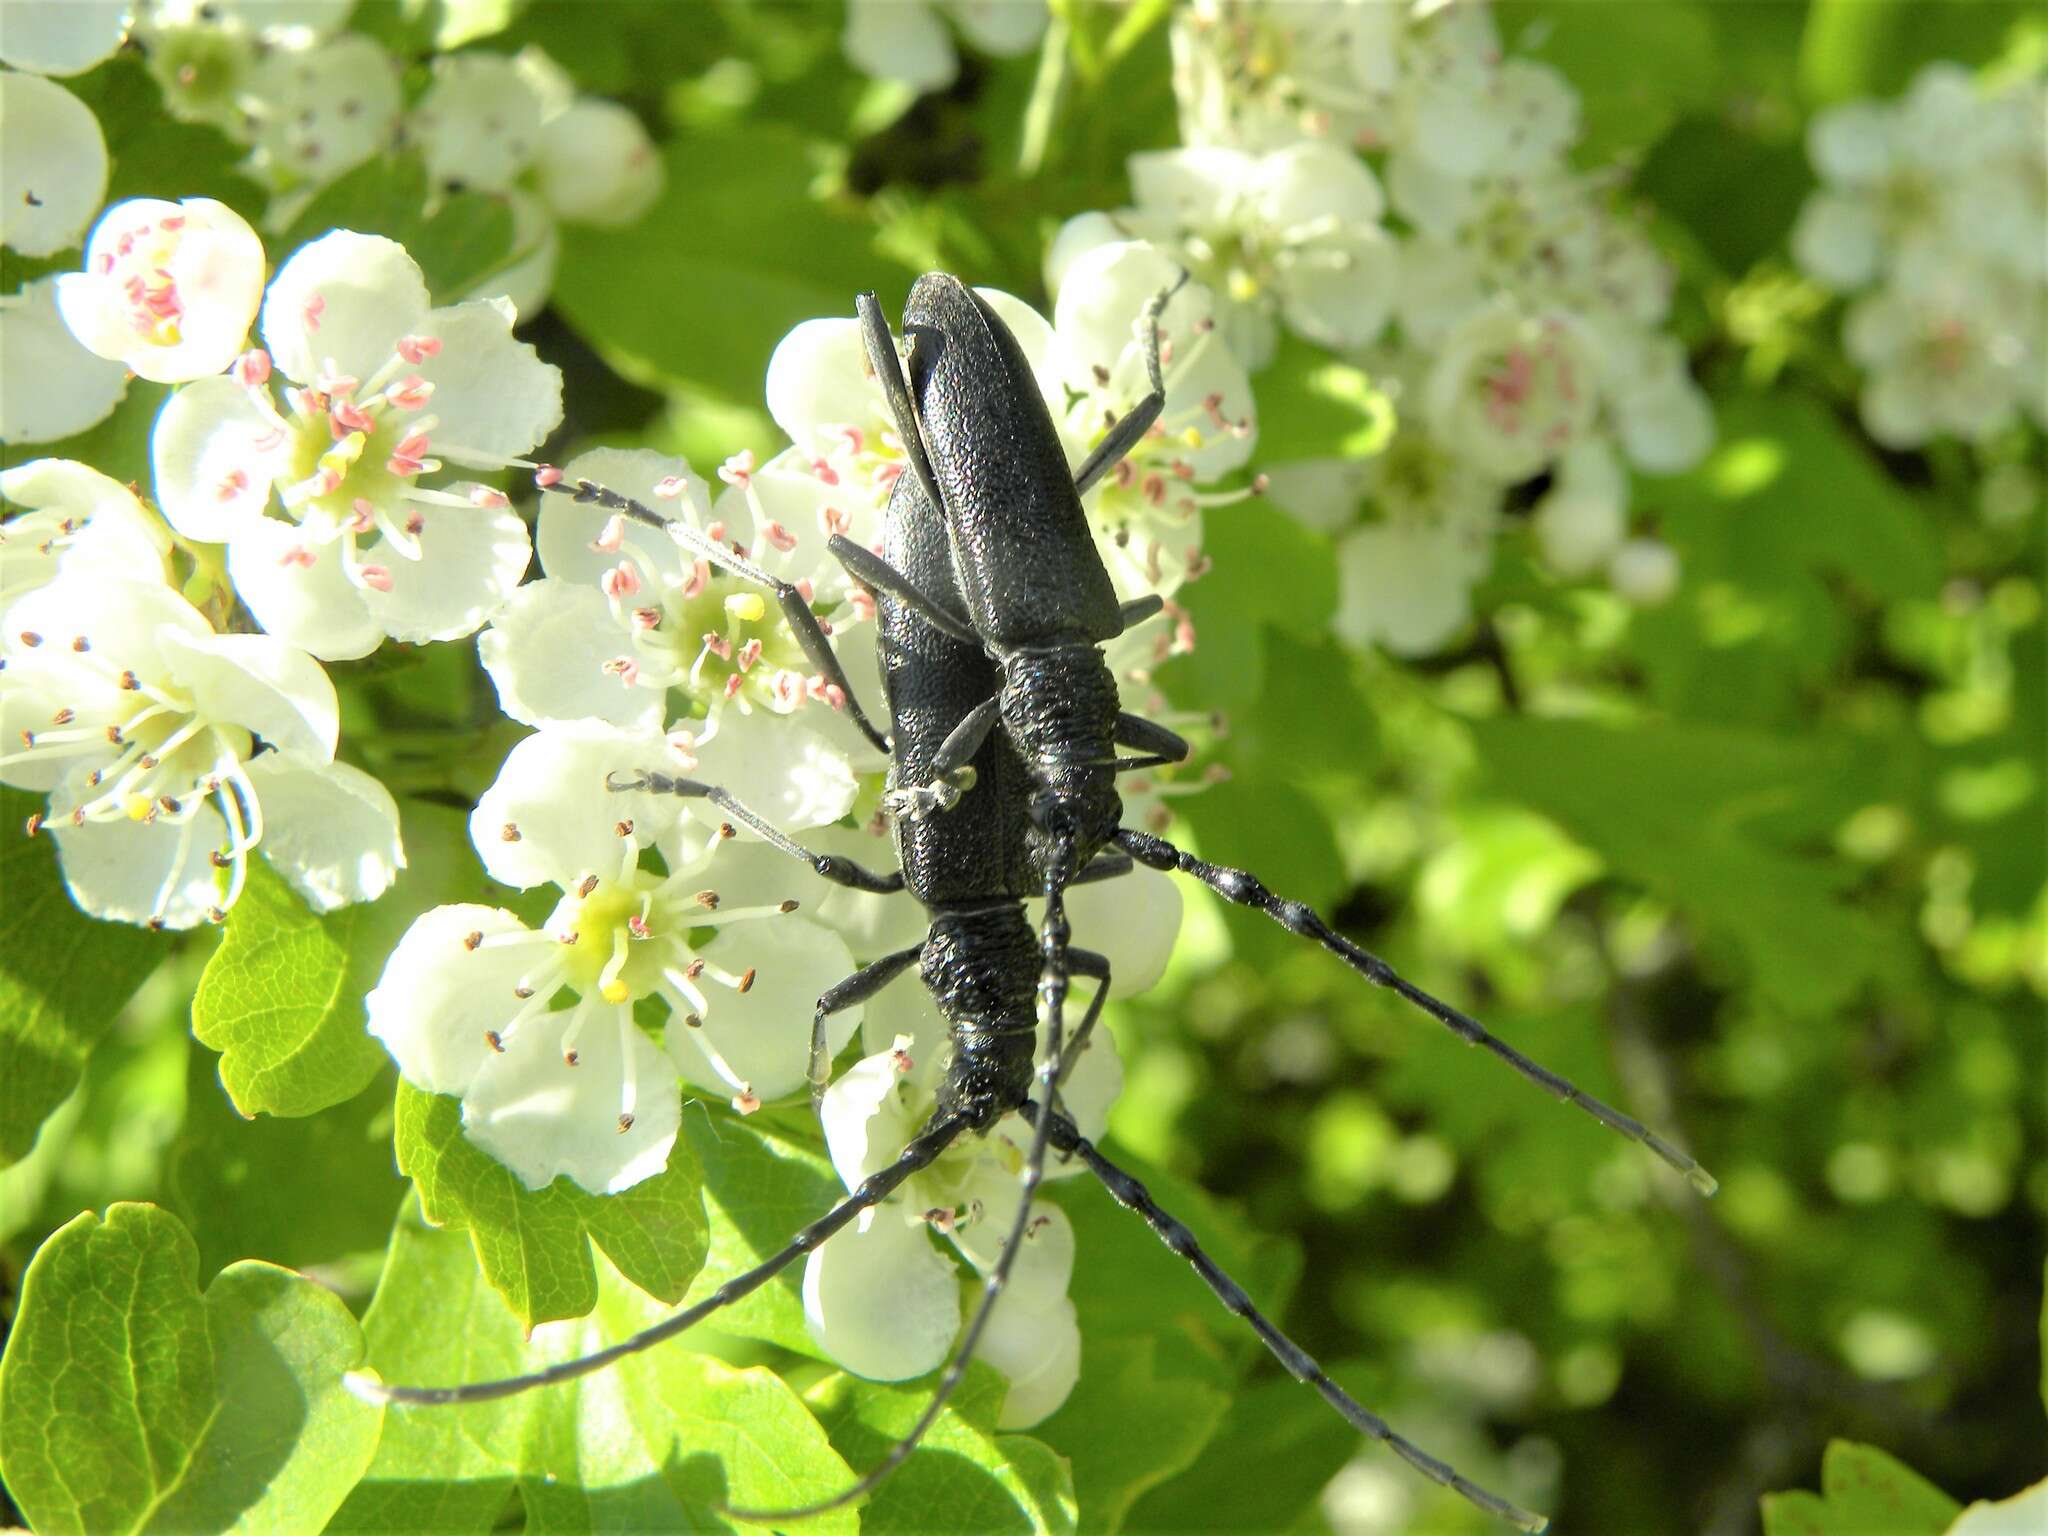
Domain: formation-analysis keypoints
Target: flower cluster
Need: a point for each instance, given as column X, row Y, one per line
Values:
column 169, row 751
column 906, row 41
column 1930, row 210
column 1382, row 181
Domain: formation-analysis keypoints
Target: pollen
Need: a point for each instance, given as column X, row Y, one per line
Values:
column 138, row 807
column 615, row 992
column 747, row 607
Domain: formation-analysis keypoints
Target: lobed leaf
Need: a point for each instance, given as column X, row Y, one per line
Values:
column 130, row 1402
column 1862, row 1491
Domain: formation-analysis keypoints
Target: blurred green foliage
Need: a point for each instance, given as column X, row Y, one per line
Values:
column 1765, row 865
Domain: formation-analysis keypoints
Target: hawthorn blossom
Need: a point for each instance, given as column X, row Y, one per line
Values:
column 1405, row 580
column 53, row 165
column 75, row 516
column 904, row 40
column 1511, row 392
column 882, row 1300
column 625, row 617
column 170, row 753
column 1645, row 572
column 313, row 113
column 468, row 1002
column 1263, row 74
column 1948, row 357
column 1293, row 234
column 169, row 289
column 382, row 389
column 204, row 54
column 50, row 386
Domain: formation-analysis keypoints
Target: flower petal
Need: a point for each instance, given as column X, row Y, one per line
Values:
column 567, row 528
column 546, row 650
column 136, row 871
column 764, row 1033
column 470, row 561
column 216, row 455
column 479, row 123
column 899, row 40
column 1040, row 1274
column 1004, row 28
column 329, row 828
column 495, row 399
column 314, row 607
column 77, row 517
column 1407, row 588
column 257, row 681
column 53, row 164
column 62, row 37
column 1039, row 1349
column 437, row 996
column 786, row 771
column 869, row 1115
column 882, row 1302
column 345, row 299
column 597, row 165
column 326, row 109
column 544, row 1118
column 549, row 816
column 50, row 386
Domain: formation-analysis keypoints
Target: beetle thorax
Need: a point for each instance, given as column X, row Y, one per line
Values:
column 1059, row 705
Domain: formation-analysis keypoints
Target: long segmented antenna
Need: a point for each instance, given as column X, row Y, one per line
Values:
column 1053, row 987
column 1133, row 1195
column 795, row 611
column 1248, row 890
column 923, row 1149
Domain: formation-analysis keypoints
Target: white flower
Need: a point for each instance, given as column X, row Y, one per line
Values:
column 50, row 386
column 626, row 615
column 1512, row 392
column 467, row 1003
column 384, row 389
column 1943, row 358
column 596, row 165
column 170, row 752
column 1290, row 235
column 75, row 517
column 1147, row 512
column 882, row 1300
column 169, row 289
column 62, row 37
column 1406, row 580
column 1664, row 419
column 479, row 122
column 314, row 113
column 1582, row 518
column 53, row 165
column 904, row 40
column 1645, row 571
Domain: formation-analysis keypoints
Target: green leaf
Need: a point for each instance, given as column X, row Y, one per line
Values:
column 735, row 254
column 1688, row 811
column 154, row 155
column 1864, row 1492
column 1874, row 47
column 301, row 1191
column 651, row 1443
column 129, row 1402
column 63, row 977
column 468, row 237
column 434, row 1321
column 1133, row 1427
column 1277, row 1425
column 534, row 1245
column 282, row 997
column 984, row 1480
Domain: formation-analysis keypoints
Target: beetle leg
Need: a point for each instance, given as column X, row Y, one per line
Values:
column 951, row 768
column 878, row 575
column 828, row 866
column 857, row 988
column 889, row 370
column 1142, row 735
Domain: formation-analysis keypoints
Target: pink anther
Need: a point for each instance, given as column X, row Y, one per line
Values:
column 547, row 475
column 232, row 484
column 487, row 498
column 823, row 469
column 417, row 349
column 699, row 578
column 779, row 536
column 622, row 580
column 311, row 311
column 299, row 556
column 252, row 368
column 410, row 393
column 345, row 416
column 362, row 515
column 377, row 577
column 748, row 655
column 668, row 487
column 739, row 469
column 834, row 519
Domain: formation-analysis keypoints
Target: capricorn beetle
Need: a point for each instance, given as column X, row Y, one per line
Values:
column 1005, row 729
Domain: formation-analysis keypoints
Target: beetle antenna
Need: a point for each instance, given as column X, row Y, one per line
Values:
column 1133, row 1195
column 1248, row 890
column 922, row 1150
